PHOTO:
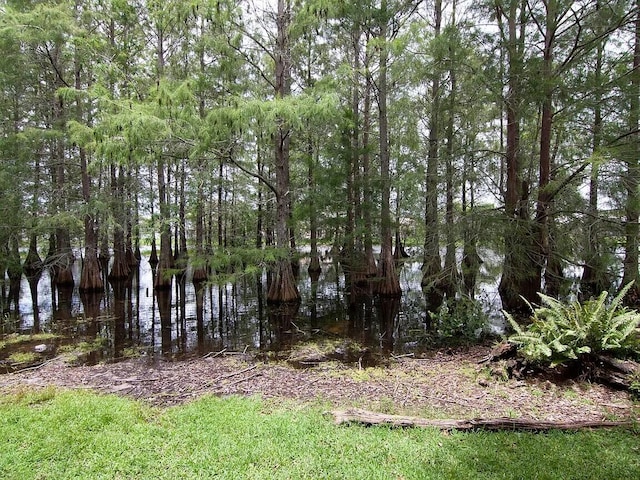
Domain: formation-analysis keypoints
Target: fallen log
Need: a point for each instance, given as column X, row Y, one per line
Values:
column 494, row 424
column 611, row 371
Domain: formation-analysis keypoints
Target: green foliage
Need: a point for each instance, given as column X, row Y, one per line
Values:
column 562, row 332
column 230, row 264
column 22, row 357
column 461, row 320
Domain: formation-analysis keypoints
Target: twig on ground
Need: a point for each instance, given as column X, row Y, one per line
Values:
column 217, row 354
column 257, row 374
column 135, row 380
column 36, row 367
column 397, row 357
column 233, row 374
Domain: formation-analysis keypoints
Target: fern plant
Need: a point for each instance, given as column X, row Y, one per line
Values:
column 562, row 332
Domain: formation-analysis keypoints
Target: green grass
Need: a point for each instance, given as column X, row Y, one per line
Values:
column 14, row 339
column 59, row 435
column 23, row 357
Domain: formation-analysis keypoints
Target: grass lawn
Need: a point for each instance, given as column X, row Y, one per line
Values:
column 56, row 435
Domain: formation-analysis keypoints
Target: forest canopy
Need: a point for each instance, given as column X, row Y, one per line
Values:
column 235, row 132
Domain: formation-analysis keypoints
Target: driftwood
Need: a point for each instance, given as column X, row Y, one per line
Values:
column 494, row 424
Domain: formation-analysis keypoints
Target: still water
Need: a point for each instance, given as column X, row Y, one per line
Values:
column 129, row 318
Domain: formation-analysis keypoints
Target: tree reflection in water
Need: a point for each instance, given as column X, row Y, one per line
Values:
column 205, row 317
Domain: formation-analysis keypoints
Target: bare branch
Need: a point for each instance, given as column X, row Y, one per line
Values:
column 253, row 174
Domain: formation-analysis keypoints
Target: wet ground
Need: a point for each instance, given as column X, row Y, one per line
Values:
column 129, row 319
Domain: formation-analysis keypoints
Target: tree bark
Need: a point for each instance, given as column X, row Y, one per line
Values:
column 91, row 277
column 594, row 273
column 388, row 283
column 432, row 282
column 367, row 191
column 631, row 178
column 517, row 280
column 451, row 277
column 314, row 264
column 163, row 274
column 283, row 287
column 120, row 267
column 544, row 258
column 199, row 269
column 63, row 259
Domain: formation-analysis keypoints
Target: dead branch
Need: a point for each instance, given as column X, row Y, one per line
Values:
column 242, row 380
column 233, row 374
column 36, row 367
column 494, row 424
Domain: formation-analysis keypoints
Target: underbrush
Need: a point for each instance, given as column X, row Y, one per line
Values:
column 564, row 332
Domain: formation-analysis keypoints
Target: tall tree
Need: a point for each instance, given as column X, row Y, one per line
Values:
column 432, row 282
column 90, row 277
column 512, row 20
column 388, row 283
column 283, row 287
column 594, row 273
column 631, row 178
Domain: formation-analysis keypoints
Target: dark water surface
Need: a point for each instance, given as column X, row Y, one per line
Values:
column 130, row 319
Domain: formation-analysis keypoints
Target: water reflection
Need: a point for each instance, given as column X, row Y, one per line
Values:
column 187, row 319
column 33, row 281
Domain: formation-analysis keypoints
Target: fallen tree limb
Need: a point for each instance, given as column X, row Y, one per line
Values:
column 494, row 424
column 36, row 367
column 233, row 374
column 612, row 371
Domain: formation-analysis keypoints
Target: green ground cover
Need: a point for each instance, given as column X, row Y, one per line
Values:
column 57, row 435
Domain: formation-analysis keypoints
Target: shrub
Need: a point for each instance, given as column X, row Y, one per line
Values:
column 459, row 320
column 562, row 332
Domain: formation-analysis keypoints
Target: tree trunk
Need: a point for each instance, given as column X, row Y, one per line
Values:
column 451, row 277
column 33, row 263
column 367, row 206
column 130, row 256
column 91, row 277
column 221, row 208
column 471, row 261
column 183, row 255
column 64, row 258
column 432, row 283
column 355, row 262
column 283, row 287
column 314, row 264
column 388, row 283
column 631, row 178
column 120, row 267
column 260, row 202
column 200, row 268
column 163, row 275
column 516, row 282
column 544, row 258
column 594, row 274
column 153, row 256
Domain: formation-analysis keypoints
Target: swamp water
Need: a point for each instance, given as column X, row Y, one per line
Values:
column 130, row 319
